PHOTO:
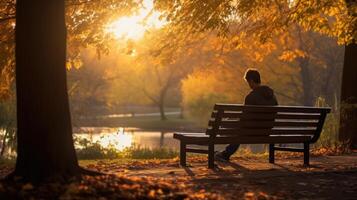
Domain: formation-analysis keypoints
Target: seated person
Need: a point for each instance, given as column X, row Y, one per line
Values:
column 260, row 95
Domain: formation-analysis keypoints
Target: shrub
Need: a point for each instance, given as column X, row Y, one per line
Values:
column 88, row 150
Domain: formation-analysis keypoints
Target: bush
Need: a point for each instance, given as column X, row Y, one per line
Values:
column 94, row 151
column 88, row 150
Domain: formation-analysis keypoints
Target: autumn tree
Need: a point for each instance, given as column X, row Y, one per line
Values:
column 88, row 86
column 264, row 19
column 86, row 23
column 153, row 71
column 165, row 67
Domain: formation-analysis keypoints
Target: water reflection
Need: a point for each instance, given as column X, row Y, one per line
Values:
column 121, row 138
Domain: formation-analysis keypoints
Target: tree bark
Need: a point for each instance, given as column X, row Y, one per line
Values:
column 348, row 115
column 45, row 144
column 348, row 111
column 308, row 98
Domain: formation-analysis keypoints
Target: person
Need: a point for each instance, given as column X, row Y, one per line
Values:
column 259, row 95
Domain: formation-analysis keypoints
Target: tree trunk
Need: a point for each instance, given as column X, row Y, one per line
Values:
column 44, row 145
column 161, row 102
column 162, row 110
column 308, row 98
column 348, row 116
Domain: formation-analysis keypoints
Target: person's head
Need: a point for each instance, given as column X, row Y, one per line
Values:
column 252, row 77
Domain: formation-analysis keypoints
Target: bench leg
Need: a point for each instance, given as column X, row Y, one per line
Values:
column 183, row 154
column 306, row 154
column 271, row 153
column 211, row 156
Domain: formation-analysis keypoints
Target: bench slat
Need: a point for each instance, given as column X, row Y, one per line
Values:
column 298, row 116
column 245, row 115
column 267, row 116
column 279, row 131
column 267, row 109
column 295, row 124
column 262, row 124
column 240, row 131
column 204, row 139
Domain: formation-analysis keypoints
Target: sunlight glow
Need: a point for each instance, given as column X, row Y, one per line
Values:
column 134, row 27
column 108, row 138
column 118, row 141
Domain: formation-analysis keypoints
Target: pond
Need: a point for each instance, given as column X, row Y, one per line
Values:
column 121, row 138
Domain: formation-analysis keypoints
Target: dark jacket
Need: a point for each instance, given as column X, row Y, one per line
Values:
column 262, row 95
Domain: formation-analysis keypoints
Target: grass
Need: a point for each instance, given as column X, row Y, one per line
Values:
column 96, row 151
column 158, row 153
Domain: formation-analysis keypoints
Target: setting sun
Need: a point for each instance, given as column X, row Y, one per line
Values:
column 135, row 26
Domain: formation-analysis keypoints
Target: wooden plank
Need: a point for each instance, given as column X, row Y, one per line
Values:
column 258, row 117
column 277, row 131
column 295, row 124
column 245, row 124
column 179, row 135
column 268, row 116
column 299, row 116
column 293, row 131
column 267, row 109
column 192, row 138
column 261, row 139
column 247, row 116
column 241, row 131
column 237, row 123
column 262, row 124
column 204, row 140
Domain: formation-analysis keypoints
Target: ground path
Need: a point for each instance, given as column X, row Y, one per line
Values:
column 328, row 177
column 246, row 177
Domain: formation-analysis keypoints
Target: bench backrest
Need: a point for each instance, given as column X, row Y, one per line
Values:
column 243, row 120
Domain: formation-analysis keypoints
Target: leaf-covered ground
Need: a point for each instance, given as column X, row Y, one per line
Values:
column 328, row 177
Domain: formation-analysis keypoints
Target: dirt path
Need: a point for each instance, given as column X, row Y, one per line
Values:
column 328, row 177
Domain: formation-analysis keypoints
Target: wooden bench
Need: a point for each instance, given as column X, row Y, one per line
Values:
column 242, row 124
